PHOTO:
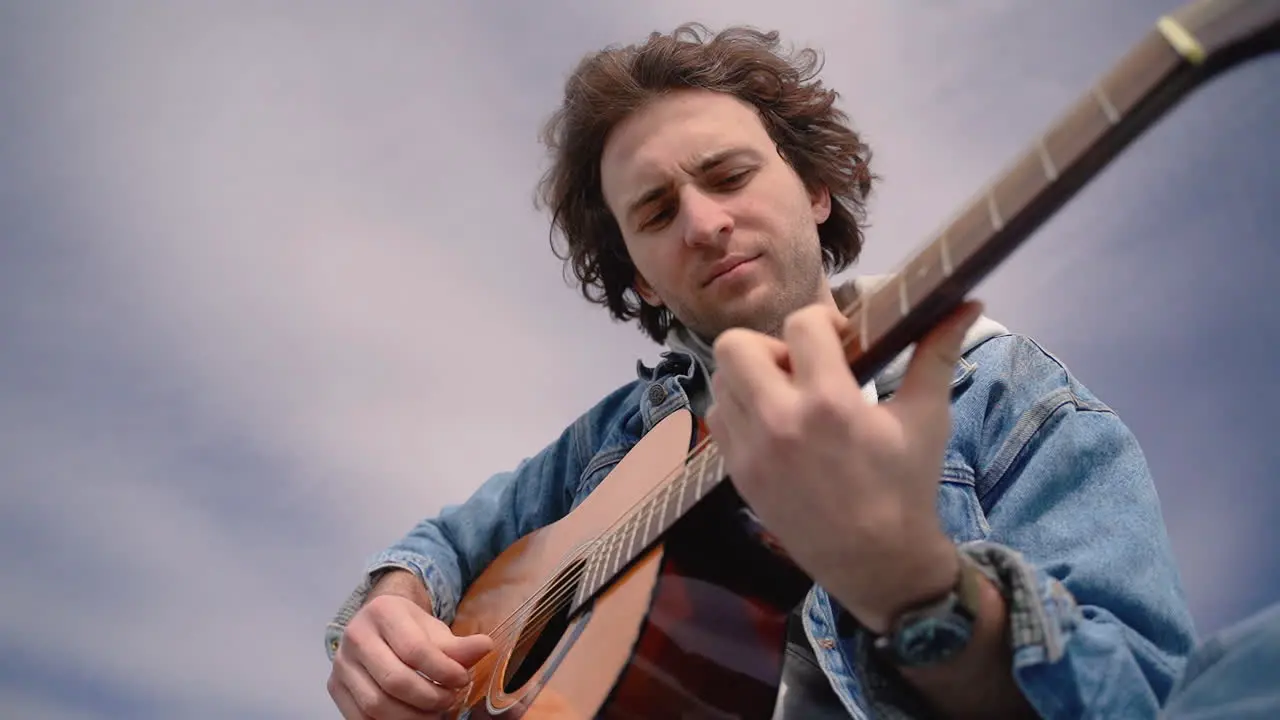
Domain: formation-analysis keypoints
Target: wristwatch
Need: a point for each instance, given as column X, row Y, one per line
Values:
column 934, row 632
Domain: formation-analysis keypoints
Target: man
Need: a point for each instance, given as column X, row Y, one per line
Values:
column 707, row 187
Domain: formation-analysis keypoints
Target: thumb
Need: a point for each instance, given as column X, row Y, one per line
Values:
column 468, row 649
column 927, row 381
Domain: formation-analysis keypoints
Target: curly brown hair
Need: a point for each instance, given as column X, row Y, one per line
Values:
column 799, row 114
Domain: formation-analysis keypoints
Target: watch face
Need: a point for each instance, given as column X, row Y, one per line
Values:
column 932, row 639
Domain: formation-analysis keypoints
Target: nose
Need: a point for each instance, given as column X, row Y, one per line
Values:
column 706, row 221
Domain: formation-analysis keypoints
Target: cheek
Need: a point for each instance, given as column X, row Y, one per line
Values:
column 654, row 273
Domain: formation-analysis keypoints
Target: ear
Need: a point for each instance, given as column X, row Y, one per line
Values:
column 645, row 291
column 820, row 203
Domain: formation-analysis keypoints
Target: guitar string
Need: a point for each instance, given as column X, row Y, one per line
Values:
column 532, row 626
column 550, row 598
column 552, row 594
column 555, row 589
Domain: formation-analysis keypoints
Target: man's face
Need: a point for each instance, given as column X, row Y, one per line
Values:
column 721, row 229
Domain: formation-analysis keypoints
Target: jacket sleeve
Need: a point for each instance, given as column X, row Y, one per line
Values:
column 450, row 550
column 1077, row 544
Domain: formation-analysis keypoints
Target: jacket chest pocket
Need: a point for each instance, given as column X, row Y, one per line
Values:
column 959, row 511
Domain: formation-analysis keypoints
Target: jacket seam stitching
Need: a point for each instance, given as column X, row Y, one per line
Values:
column 1027, row 427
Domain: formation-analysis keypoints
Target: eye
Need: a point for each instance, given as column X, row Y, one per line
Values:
column 662, row 216
column 733, row 180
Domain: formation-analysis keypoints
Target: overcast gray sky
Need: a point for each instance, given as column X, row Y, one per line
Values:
column 272, row 288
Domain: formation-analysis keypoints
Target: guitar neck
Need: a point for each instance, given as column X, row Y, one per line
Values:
column 1184, row 50
column 1199, row 41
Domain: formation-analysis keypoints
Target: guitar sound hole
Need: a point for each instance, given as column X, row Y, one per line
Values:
column 540, row 634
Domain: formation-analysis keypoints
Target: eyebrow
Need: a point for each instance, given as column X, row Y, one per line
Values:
column 706, row 164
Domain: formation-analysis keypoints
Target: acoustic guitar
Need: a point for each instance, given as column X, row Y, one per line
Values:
column 650, row 600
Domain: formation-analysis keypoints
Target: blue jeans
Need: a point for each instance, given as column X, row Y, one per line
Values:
column 1234, row 674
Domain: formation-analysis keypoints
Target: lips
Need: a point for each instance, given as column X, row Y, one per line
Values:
column 724, row 266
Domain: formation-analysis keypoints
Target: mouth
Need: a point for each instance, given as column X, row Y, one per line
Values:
column 726, row 266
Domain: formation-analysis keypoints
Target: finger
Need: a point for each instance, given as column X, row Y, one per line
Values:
column 416, row 687
column 927, row 381
column 750, row 366
column 411, row 644
column 817, row 356
column 371, row 700
column 346, row 703
column 466, row 651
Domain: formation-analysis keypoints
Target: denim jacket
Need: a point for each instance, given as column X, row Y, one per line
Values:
column 1042, row 484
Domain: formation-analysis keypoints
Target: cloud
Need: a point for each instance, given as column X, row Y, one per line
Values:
column 279, row 291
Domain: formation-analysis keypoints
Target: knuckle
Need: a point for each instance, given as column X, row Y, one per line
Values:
column 822, row 408
column 779, row 423
column 355, row 640
column 418, row 655
column 400, row 682
column 369, row 700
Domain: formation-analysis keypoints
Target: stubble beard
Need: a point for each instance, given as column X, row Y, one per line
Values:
column 800, row 284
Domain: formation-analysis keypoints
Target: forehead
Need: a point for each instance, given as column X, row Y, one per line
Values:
column 672, row 134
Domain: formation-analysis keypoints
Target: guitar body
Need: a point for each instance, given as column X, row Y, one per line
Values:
column 694, row 628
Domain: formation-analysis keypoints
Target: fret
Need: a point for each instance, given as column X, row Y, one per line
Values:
column 924, row 273
column 606, row 564
column 648, row 521
column 1077, row 131
column 595, row 570
column 1104, row 102
column 1050, row 169
column 1110, row 100
column 614, row 558
column 695, row 483
column 593, row 574
column 969, row 232
column 1133, row 79
column 904, row 307
column 662, row 519
column 702, row 473
column 944, row 249
column 882, row 311
column 719, row 466
column 634, row 522
column 687, row 490
column 1021, row 185
column 677, row 495
column 624, row 537
column 993, row 212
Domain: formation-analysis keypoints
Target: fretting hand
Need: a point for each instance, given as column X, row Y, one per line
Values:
column 848, row 487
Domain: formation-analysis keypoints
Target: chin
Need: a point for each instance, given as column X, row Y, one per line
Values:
column 761, row 316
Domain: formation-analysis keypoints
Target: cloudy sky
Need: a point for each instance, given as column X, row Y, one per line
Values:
column 272, row 288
